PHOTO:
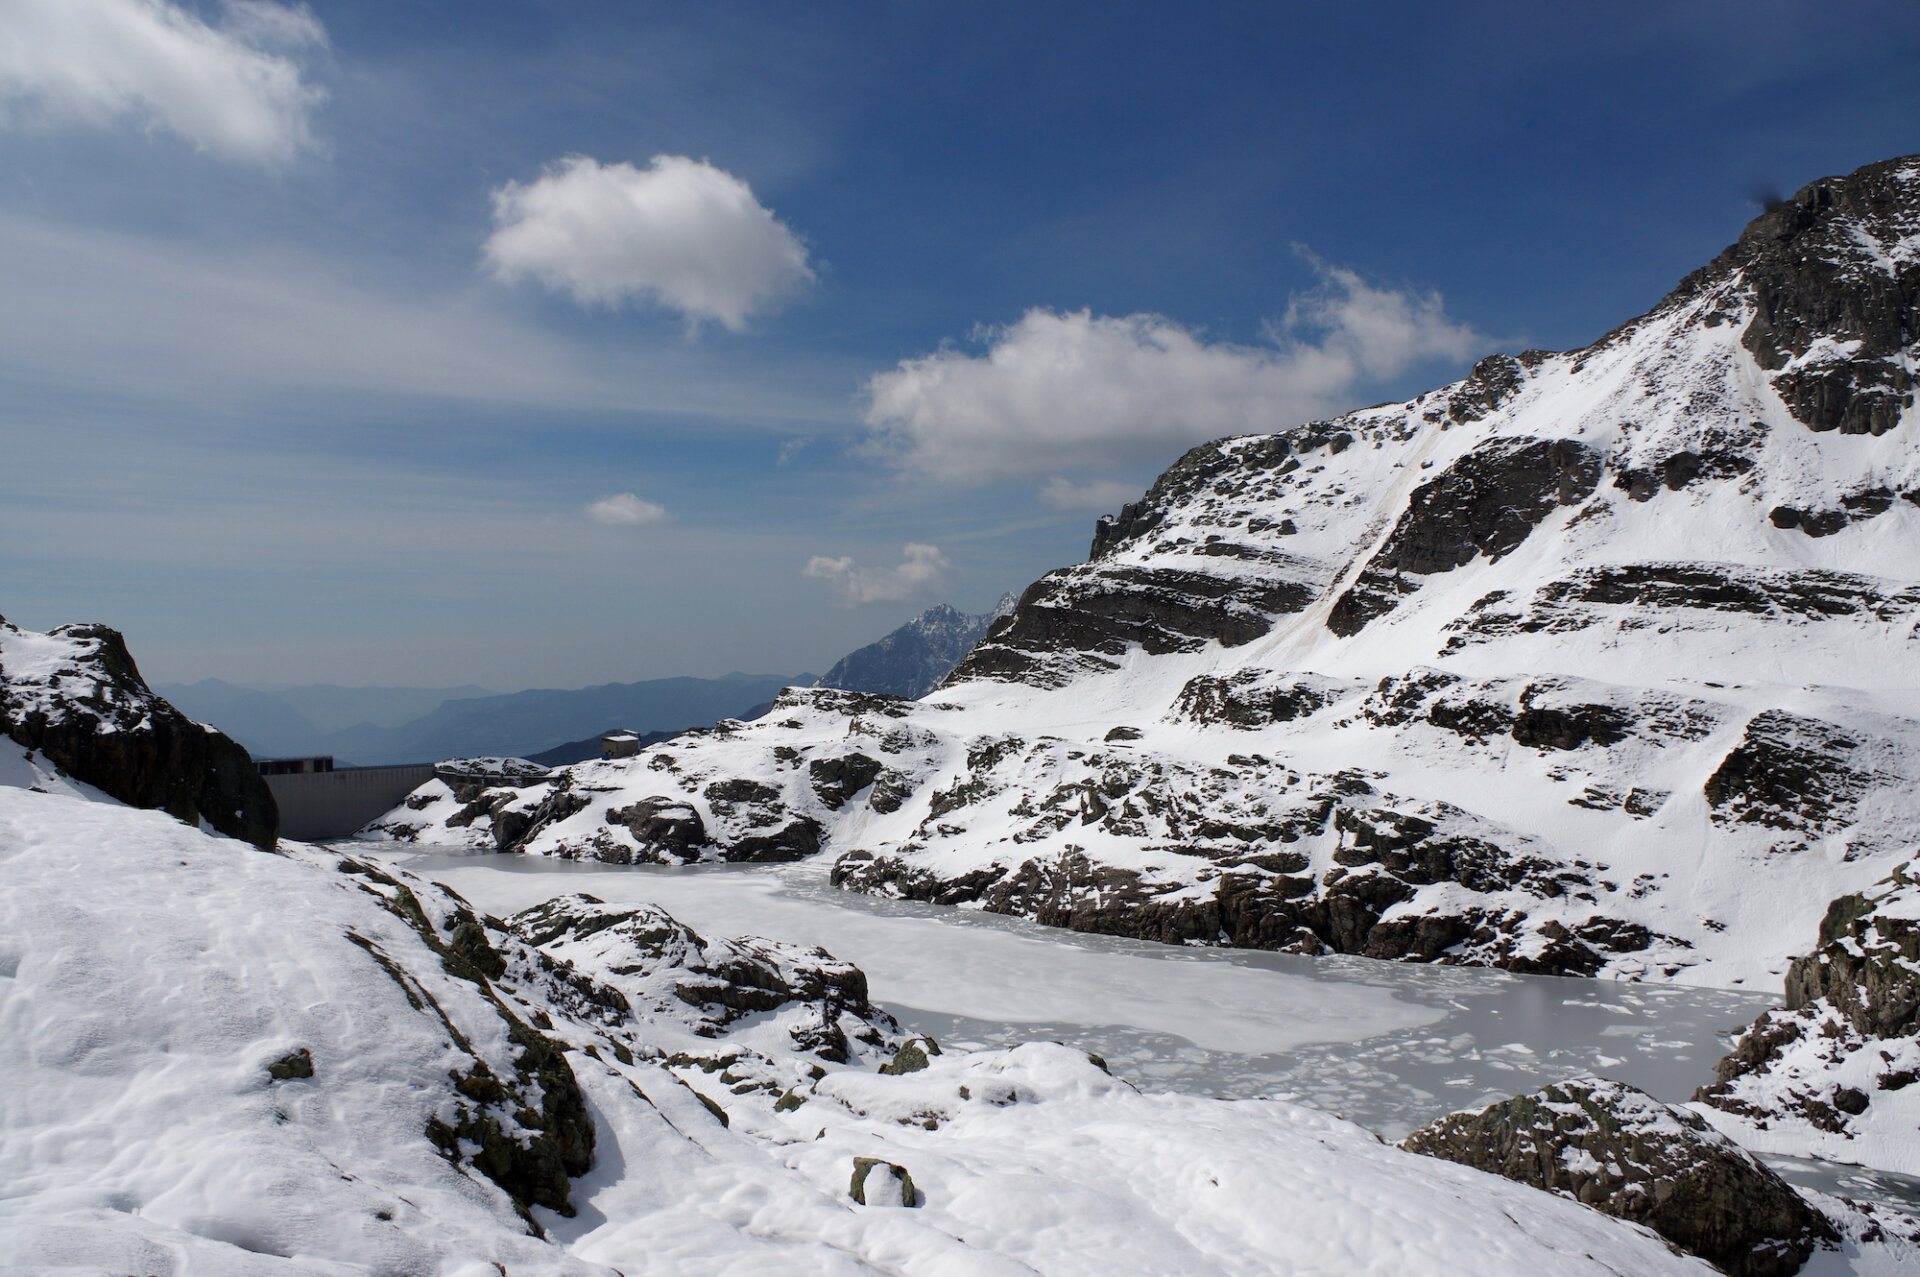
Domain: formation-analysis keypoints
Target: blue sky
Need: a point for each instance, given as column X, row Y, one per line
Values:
column 371, row 342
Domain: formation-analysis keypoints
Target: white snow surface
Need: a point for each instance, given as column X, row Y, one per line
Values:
column 151, row 972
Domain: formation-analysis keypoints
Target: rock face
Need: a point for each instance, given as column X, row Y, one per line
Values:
column 639, row 959
column 75, row 696
column 912, row 660
column 1558, row 668
column 1623, row 1152
column 1832, row 1073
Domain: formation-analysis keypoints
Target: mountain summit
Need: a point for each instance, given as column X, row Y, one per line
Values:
column 1597, row 662
column 912, row 660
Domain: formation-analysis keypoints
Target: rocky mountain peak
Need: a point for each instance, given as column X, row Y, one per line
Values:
column 1600, row 661
column 1828, row 286
column 912, row 660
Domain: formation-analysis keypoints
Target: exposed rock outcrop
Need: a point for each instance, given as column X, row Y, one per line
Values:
column 1829, row 1073
column 75, row 696
column 1485, row 504
column 1624, row 1153
column 612, row 961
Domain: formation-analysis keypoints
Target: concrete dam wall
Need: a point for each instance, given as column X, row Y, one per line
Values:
column 315, row 806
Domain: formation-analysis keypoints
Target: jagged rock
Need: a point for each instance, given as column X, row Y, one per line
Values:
column 1255, row 698
column 1793, row 773
column 639, row 956
column 838, row 779
column 1094, row 613
column 529, row 1130
column 1622, row 1152
column 1801, row 262
column 75, row 696
column 1867, row 966
column 666, row 828
column 1485, row 503
column 911, row 1057
column 1850, row 1030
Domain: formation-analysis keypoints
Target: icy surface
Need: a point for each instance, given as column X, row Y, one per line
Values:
column 1389, row 1046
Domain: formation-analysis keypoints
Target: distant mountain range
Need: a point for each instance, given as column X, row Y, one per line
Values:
column 370, row 725
column 913, row 659
column 436, row 723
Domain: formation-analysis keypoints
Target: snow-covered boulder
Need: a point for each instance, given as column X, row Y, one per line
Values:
column 75, row 697
column 1622, row 1152
column 640, row 958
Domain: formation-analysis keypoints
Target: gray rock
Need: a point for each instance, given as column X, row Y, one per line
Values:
column 1626, row 1154
column 97, row 720
column 878, row 1183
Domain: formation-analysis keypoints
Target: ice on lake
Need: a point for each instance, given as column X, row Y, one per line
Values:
column 1389, row 1045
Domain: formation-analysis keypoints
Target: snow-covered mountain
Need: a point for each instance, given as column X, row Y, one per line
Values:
column 1599, row 662
column 912, row 660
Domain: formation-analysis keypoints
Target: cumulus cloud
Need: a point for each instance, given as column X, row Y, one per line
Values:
column 234, row 89
column 679, row 233
column 1096, row 494
column 1071, row 391
column 921, row 570
column 624, row 510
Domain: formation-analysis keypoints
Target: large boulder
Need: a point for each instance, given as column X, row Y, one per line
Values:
column 1626, row 1154
column 75, row 696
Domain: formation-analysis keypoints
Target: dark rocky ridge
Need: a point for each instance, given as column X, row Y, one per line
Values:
column 609, row 962
column 98, row 721
column 1803, row 270
column 527, row 1128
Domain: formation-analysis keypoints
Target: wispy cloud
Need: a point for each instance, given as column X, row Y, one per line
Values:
column 146, row 320
column 623, row 509
column 1097, row 494
column 235, row 89
column 1067, row 392
column 679, row 233
column 922, row 569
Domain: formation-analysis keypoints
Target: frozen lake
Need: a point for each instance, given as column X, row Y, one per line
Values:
column 1389, row 1045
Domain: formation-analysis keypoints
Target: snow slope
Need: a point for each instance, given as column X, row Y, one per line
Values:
column 157, row 979
column 1604, row 662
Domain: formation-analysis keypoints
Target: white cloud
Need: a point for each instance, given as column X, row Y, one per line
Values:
column 1066, row 392
column 231, row 89
column 922, row 569
column 623, row 509
column 158, row 322
column 1096, row 494
column 680, row 232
